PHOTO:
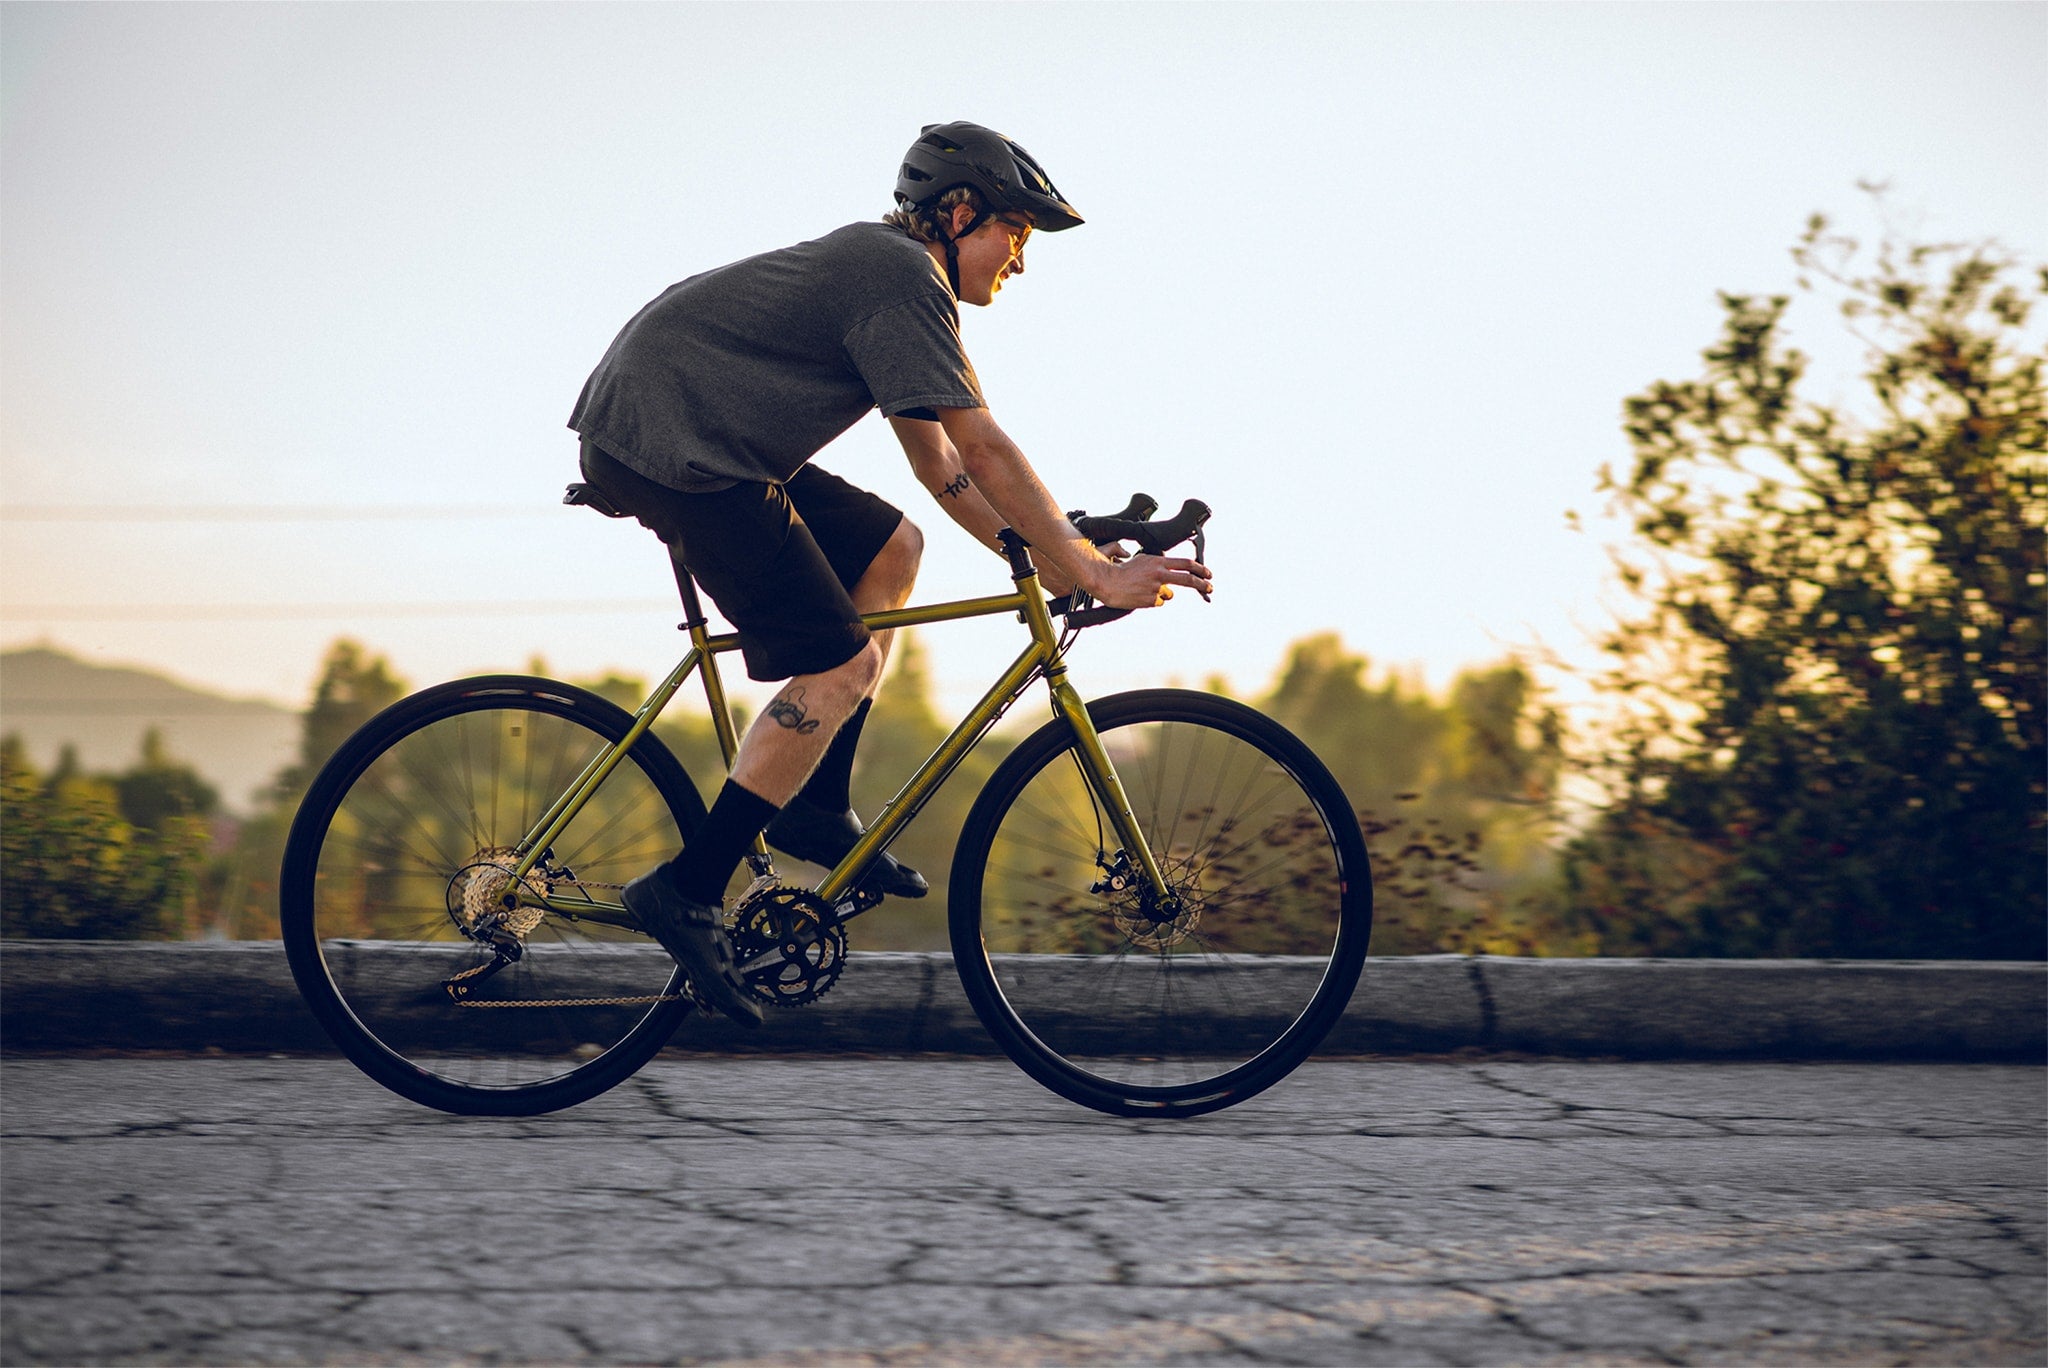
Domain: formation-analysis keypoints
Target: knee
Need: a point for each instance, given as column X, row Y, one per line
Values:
column 860, row 674
column 903, row 551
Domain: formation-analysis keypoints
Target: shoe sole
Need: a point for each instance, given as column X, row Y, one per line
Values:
column 700, row 960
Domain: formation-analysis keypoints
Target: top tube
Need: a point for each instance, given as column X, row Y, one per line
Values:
column 955, row 611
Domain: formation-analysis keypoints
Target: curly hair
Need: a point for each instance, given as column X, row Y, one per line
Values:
column 924, row 222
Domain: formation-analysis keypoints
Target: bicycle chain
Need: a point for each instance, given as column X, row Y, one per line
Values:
column 817, row 979
column 471, row 895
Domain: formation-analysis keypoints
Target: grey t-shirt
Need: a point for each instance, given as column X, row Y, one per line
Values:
column 747, row 371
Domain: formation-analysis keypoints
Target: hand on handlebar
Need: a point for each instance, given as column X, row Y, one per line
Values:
column 1147, row 581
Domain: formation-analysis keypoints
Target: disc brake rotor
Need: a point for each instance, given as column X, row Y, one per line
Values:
column 1151, row 923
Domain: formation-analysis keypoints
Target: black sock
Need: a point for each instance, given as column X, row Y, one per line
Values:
column 708, row 860
column 831, row 785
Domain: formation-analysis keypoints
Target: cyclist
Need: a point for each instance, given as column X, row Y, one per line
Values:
column 701, row 421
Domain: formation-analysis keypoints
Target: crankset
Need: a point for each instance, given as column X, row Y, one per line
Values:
column 789, row 945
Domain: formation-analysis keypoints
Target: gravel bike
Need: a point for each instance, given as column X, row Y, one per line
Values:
column 1160, row 900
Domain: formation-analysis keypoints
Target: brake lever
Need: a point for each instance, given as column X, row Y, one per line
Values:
column 1202, row 557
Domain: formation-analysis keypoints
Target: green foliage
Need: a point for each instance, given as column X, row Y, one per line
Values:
column 159, row 788
column 1457, row 781
column 1833, row 738
column 1378, row 741
column 74, row 867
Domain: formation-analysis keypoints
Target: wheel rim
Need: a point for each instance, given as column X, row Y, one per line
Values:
column 416, row 849
column 1158, row 1000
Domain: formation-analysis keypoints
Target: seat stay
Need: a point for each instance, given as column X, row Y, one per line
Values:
column 564, row 809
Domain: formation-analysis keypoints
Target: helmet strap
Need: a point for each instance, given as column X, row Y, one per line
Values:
column 952, row 244
column 953, row 266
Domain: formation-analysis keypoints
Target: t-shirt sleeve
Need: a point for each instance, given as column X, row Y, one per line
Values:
column 911, row 357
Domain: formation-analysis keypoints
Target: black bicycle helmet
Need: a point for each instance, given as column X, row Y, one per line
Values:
column 1004, row 174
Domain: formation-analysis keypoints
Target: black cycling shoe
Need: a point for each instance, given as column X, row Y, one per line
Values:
column 694, row 933
column 823, row 837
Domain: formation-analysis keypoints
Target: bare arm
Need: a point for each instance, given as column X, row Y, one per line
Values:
column 984, row 482
column 936, row 462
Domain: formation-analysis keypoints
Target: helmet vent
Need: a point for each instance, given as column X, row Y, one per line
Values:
column 941, row 142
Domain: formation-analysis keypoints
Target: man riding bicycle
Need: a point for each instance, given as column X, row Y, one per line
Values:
column 701, row 421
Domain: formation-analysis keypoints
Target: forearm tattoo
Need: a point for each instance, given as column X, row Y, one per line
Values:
column 789, row 711
column 956, row 486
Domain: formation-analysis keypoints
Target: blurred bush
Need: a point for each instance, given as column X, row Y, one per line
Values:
column 1829, row 739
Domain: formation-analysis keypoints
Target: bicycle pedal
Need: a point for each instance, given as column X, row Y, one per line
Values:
column 857, row 902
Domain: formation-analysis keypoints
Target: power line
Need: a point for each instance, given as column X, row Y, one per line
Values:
column 85, row 513
column 235, row 710
column 285, row 612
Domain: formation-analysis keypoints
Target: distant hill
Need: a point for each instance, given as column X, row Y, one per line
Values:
column 49, row 698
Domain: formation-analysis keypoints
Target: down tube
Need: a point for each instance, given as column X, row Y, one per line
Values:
column 933, row 772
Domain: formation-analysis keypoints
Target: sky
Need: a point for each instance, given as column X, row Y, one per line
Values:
column 295, row 300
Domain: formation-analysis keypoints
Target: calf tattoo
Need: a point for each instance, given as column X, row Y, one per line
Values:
column 789, row 711
column 956, row 486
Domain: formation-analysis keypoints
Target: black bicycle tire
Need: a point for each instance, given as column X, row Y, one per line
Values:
column 1286, row 1053
column 302, row 853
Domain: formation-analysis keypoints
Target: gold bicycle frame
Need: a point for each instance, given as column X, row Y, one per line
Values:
column 1040, row 657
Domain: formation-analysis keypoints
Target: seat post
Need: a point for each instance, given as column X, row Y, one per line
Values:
column 693, row 608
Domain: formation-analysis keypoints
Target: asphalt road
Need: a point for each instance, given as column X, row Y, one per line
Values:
column 929, row 1210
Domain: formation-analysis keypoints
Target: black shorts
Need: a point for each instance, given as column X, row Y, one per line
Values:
column 778, row 560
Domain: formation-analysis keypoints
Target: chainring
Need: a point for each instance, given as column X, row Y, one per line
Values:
column 789, row 944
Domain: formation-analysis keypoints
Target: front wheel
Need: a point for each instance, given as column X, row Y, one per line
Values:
column 1136, row 1005
column 396, row 896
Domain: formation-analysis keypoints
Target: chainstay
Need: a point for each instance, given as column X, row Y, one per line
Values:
column 568, row 1002
column 582, row 1002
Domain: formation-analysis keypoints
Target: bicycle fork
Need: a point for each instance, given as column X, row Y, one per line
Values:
column 1108, row 788
column 1095, row 762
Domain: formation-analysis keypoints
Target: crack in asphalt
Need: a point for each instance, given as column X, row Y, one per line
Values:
column 775, row 1217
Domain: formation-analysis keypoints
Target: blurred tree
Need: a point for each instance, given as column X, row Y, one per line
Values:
column 1455, row 795
column 74, row 868
column 159, row 788
column 241, row 886
column 1378, row 741
column 1832, row 736
column 354, row 686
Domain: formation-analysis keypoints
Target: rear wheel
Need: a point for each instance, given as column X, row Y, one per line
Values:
column 397, row 884
column 1137, row 1005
